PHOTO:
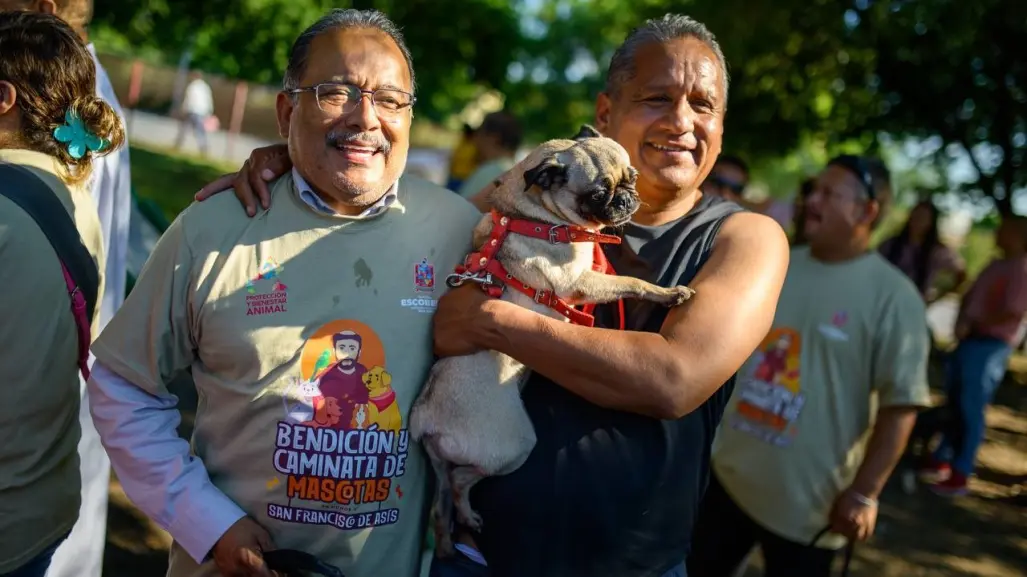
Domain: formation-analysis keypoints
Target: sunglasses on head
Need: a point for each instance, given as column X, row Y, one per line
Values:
column 735, row 187
column 858, row 166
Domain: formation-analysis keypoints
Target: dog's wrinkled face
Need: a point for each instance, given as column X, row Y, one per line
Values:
column 588, row 181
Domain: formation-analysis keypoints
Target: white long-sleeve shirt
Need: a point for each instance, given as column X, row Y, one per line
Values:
column 154, row 464
column 112, row 191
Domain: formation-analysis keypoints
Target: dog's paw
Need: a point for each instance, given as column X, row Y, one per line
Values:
column 682, row 294
column 469, row 518
column 674, row 296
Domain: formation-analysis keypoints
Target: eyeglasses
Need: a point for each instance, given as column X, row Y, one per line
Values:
column 735, row 187
column 336, row 99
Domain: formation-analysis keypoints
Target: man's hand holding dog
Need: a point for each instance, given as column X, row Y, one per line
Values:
column 465, row 320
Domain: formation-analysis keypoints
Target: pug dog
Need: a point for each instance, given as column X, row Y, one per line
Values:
column 469, row 415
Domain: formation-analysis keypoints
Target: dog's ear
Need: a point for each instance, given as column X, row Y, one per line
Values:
column 548, row 174
column 587, row 131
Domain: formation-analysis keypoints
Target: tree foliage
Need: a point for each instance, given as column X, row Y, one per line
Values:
column 823, row 74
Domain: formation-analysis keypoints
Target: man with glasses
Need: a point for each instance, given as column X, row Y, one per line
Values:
column 846, row 356
column 336, row 280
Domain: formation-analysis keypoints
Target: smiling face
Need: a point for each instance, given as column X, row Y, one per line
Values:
column 354, row 158
column 669, row 116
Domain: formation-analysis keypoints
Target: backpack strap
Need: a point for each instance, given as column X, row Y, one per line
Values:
column 81, row 276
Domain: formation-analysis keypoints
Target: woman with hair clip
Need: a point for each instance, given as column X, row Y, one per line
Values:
column 921, row 255
column 52, row 125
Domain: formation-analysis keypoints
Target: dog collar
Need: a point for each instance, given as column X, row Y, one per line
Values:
column 383, row 401
column 483, row 268
column 554, row 233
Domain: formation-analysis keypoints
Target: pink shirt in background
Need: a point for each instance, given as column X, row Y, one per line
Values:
column 943, row 259
column 1001, row 287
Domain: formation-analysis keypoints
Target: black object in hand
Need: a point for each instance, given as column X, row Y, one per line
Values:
column 293, row 563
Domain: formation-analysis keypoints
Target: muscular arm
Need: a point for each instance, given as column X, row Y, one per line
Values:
column 701, row 344
column 887, row 442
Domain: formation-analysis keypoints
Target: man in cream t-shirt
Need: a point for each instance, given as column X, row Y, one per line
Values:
column 845, row 360
column 307, row 329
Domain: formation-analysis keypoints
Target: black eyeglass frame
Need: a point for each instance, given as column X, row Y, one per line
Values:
column 315, row 88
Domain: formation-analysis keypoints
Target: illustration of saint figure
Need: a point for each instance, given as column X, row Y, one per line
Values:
column 343, row 380
column 775, row 361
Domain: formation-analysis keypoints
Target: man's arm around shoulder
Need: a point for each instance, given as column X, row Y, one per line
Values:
column 663, row 375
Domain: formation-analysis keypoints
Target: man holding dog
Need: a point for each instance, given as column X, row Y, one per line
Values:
column 624, row 418
column 261, row 310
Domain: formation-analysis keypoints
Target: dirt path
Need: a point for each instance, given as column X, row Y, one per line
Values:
column 919, row 535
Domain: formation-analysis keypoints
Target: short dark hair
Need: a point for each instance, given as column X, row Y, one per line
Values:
column 662, row 30
column 735, row 161
column 874, row 175
column 505, row 127
column 339, row 19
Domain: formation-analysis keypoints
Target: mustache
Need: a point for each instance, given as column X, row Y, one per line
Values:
column 336, row 139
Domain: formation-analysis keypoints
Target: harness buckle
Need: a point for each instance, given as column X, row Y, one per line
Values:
column 553, row 231
column 457, row 279
column 539, row 295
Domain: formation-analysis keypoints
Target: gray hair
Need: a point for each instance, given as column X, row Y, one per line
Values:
column 339, row 19
column 660, row 31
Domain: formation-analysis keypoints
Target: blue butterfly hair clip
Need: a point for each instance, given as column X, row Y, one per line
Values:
column 78, row 138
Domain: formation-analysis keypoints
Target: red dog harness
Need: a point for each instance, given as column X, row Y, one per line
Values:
column 483, row 268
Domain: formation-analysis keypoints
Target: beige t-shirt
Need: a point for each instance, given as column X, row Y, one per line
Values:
column 846, row 338
column 309, row 338
column 39, row 426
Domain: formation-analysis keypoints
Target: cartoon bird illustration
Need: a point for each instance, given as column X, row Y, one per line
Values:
column 322, row 363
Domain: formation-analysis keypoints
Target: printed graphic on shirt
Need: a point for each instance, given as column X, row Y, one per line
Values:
column 424, row 276
column 265, row 293
column 834, row 331
column 769, row 397
column 341, row 446
column 424, row 282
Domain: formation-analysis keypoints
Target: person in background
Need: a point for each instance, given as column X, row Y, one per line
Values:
column 986, row 327
column 798, row 224
column 728, row 179
column 463, row 160
column 921, row 255
column 197, row 110
column 496, row 141
column 846, row 356
column 47, row 79
column 81, row 555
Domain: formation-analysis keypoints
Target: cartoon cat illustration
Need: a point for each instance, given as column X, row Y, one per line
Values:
column 305, row 395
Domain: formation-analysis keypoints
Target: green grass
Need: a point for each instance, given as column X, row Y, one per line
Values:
column 170, row 179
